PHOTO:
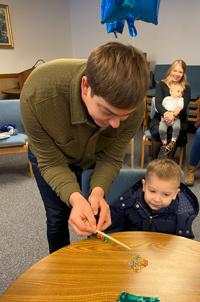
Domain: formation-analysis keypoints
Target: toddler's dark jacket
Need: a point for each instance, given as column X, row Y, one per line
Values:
column 131, row 213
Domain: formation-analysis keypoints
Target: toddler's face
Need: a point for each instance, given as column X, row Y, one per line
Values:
column 176, row 91
column 103, row 114
column 159, row 193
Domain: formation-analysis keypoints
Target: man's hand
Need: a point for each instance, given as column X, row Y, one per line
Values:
column 82, row 218
column 100, row 208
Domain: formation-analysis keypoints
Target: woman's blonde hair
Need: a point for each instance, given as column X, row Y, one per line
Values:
column 164, row 169
column 183, row 81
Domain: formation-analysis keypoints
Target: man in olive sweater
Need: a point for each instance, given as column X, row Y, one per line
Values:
column 80, row 114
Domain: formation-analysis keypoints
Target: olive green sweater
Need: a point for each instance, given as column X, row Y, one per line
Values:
column 60, row 131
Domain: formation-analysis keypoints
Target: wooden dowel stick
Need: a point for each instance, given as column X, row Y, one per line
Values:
column 113, row 239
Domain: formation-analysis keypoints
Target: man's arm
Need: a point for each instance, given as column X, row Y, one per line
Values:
column 51, row 161
column 55, row 170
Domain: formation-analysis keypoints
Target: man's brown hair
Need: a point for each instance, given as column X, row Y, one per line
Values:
column 164, row 169
column 119, row 74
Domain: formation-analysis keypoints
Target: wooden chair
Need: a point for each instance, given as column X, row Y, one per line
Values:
column 10, row 114
column 12, row 84
column 193, row 115
column 194, row 111
column 22, row 76
column 15, row 82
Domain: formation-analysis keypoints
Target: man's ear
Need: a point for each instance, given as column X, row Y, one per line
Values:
column 84, row 85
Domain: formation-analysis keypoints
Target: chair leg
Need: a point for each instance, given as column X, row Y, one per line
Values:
column 30, row 169
column 182, row 155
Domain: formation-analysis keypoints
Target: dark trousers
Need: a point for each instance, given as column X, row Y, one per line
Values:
column 57, row 212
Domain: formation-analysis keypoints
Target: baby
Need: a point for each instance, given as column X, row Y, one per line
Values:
column 173, row 103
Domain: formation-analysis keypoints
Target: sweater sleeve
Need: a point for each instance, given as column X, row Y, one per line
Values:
column 51, row 161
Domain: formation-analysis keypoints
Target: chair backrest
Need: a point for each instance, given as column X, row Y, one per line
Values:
column 125, row 179
column 10, row 113
column 193, row 77
column 160, row 71
column 193, row 113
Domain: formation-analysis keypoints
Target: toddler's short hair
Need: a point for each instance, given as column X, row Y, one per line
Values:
column 164, row 169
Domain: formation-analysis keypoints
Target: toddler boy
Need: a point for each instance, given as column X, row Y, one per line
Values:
column 157, row 203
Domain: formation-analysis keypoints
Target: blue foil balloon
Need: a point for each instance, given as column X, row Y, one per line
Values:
column 115, row 12
column 116, row 26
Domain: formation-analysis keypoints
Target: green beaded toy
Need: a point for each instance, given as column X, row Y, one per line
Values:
column 126, row 297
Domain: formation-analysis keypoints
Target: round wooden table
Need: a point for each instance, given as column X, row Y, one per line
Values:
column 92, row 270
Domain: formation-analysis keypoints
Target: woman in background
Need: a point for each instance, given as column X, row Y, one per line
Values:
column 175, row 74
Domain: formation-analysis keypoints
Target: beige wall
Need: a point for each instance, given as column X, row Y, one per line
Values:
column 41, row 29
column 86, row 28
column 51, row 29
column 176, row 35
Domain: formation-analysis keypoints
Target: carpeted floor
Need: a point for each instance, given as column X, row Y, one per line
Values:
column 22, row 217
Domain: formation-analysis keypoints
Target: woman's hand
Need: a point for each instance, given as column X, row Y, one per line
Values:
column 169, row 117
